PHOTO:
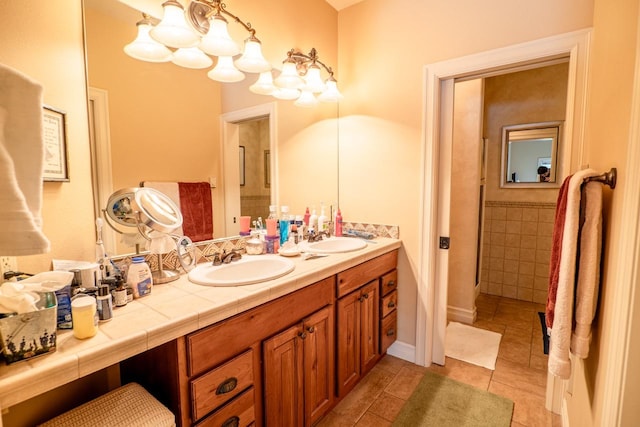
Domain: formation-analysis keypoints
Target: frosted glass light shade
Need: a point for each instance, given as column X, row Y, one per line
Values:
column 173, row 30
column 217, row 41
column 191, row 57
column 225, row 71
column 306, row 99
column 145, row 48
column 313, row 80
column 289, row 78
column 331, row 93
column 264, row 84
column 286, row 94
column 252, row 60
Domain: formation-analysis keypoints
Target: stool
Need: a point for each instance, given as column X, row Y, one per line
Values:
column 127, row 406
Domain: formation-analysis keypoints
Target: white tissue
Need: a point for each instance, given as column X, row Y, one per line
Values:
column 21, row 297
column 161, row 243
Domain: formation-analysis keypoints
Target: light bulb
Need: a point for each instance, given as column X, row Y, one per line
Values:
column 144, row 47
column 252, row 60
column 191, row 57
column 225, row 71
column 289, row 78
column 217, row 41
column 313, row 81
column 173, row 30
column 331, row 93
column 264, row 84
column 306, row 99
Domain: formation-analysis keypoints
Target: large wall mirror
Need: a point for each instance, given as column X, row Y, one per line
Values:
column 164, row 124
column 530, row 155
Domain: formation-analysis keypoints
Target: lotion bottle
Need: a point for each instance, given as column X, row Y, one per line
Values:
column 322, row 220
column 337, row 226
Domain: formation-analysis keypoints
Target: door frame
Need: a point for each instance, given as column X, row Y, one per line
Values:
column 431, row 313
column 230, row 137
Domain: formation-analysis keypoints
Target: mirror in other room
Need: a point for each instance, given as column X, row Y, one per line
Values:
column 530, row 155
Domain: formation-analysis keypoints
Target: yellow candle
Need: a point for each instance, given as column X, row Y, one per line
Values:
column 85, row 317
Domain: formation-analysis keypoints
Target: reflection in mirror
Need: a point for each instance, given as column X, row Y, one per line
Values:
column 529, row 155
column 161, row 122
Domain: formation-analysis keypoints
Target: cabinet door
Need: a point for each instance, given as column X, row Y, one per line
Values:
column 348, row 342
column 283, row 381
column 318, row 364
column 369, row 325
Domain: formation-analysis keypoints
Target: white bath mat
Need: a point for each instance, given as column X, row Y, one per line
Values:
column 472, row 345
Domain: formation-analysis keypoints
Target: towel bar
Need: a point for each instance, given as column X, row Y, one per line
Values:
column 607, row 178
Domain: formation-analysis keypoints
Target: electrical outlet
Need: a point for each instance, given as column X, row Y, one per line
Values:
column 7, row 263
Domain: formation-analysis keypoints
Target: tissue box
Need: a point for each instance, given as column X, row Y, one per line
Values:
column 28, row 335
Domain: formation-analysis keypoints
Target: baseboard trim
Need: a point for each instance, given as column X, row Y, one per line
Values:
column 403, row 351
column 457, row 314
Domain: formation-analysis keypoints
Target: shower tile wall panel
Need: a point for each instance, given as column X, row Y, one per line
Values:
column 255, row 206
column 516, row 250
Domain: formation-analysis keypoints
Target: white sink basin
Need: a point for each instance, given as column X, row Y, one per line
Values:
column 247, row 270
column 335, row 245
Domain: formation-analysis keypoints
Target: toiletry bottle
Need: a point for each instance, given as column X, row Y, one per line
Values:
column 104, row 304
column 284, row 224
column 306, row 217
column 120, row 294
column 63, row 296
column 299, row 228
column 313, row 222
column 338, row 224
column 85, row 316
column 322, row 220
column 139, row 277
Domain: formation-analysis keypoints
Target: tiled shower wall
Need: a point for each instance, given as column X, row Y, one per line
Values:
column 515, row 250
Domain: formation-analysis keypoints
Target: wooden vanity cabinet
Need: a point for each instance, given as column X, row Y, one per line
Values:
column 358, row 319
column 388, row 310
column 299, row 372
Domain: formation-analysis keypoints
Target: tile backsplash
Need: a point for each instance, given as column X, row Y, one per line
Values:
column 516, row 250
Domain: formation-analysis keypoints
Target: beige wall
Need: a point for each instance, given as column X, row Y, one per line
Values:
column 532, row 96
column 465, row 196
column 45, row 42
column 381, row 71
column 609, row 115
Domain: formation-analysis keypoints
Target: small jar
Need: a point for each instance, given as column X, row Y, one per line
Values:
column 85, row 316
column 254, row 246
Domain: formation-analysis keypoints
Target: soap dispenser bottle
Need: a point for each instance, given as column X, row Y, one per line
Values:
column 322, row 220
column 284, row 225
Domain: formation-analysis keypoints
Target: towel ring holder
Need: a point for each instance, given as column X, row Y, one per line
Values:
column 607, row 178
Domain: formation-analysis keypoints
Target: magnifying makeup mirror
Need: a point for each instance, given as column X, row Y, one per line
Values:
column 155, row 216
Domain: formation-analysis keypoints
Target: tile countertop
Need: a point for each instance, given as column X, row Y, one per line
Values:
column 171, row 310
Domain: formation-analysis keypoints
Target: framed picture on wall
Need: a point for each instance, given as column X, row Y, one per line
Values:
column 54, row 135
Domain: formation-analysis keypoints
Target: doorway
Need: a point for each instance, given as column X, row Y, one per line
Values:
column 439, row 77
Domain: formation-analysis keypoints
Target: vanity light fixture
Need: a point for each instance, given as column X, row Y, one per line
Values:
column 190, row 37
column 301, row 80
column 187, row 37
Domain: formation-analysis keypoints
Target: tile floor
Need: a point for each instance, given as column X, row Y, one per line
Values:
column 520, row 372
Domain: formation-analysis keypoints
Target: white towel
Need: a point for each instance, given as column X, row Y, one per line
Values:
column 588, row 269
column 559, row 363
column 21, row 161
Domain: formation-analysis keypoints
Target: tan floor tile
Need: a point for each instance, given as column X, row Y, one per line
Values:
column 334, row 420
column 467, row 373
column 528, row 408
column 387, row 406
column 539, row 361
column 392, row 364
column 518, row 376
column 404, row 383
column 372, row 420
column 519, row 353
column 490, row 325
column 356, row 403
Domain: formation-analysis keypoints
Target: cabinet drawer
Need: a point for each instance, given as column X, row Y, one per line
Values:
column 388, row 282
column 239, row 412
column 388, row 303
column 351, row 279
column 388, row 331
column 221, row 384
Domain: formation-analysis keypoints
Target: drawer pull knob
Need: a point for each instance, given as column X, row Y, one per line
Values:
column 391, row 283
column 231, row 422
column 311, row 329
column 391, row 304
column 391, row 332
column 227, row 385
column 302, row 335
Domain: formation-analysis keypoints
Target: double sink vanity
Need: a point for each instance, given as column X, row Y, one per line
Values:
column 279, row 350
